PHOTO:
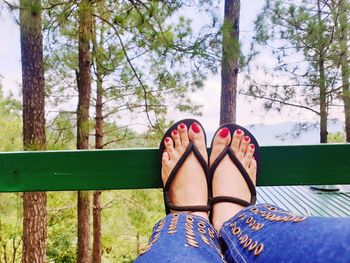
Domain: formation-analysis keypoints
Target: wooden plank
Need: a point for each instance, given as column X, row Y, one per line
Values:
column 139, row 168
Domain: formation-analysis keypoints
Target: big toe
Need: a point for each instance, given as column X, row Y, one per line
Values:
column 221, row 140
column 196, row 135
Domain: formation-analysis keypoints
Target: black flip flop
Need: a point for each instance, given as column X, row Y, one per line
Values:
column 228, row 151
column 190, row 148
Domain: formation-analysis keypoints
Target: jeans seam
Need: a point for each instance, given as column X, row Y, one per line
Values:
column 235, row 248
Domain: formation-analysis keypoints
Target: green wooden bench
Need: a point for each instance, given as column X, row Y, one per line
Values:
column 285, row 172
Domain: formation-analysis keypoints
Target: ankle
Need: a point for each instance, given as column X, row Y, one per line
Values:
column 223, row 212
column 201, row 214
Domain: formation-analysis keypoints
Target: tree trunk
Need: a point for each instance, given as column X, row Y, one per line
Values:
column 344, row 55
column 322, row 88
column 97, row 233
column 97, row 242
column 323, row 103
column 84, row 89
column 138, row 245
column 97, row 226
column 229, row 64
column 33, row 83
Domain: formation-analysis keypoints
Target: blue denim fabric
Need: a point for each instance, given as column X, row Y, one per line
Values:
column 285, row 237
column 179, row 239
column 260, row 233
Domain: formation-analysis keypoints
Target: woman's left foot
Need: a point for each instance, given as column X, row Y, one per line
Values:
column 228, row 180
column 189, row 186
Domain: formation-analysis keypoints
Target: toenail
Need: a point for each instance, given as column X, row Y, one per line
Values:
column 224, row 132
column 246, row 138
column 182, row 126
column 195, row 127
column 164, row 150
column 175, row 132
column 252, row 146
column 167, row 139
column 239, row 131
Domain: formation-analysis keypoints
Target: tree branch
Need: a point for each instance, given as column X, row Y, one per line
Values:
column 282, row 102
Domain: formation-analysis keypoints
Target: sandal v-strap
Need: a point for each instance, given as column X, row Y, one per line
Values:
column 228, row 151
column 190, row 148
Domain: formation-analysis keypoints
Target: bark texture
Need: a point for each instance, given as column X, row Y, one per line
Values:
column 344, row 56
column 34, row 204
column 322, row 87
column 97, row 220
column 84, row 89
column 97, row 242
column 97, row 232
column 229, row 64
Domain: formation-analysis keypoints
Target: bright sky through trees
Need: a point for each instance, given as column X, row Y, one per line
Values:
column 209, row 97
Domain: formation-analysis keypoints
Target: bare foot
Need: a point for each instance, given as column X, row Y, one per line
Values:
column 227, row 180
column 189, row 186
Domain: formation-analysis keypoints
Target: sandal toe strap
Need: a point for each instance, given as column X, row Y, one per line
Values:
column 228, row 151
column 190, row 148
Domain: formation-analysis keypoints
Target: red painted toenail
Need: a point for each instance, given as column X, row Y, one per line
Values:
column 239, row 131
column 175, row 132
column 246, row 138
column 224, row 132
column 167, row 139
column 182, row 126
column 195, row 127
column 252, row 146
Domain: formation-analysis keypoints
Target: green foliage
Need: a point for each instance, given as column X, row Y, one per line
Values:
column 302, row 71
column 336, row 137
column 127, row 220
column 10, row 123
column 62, row 227
column 148, row 59
column 60, row 132
column 11, row 227
column 139, row 50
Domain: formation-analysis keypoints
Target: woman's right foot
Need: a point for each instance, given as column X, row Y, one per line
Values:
column 190, row 185
column 227, row 179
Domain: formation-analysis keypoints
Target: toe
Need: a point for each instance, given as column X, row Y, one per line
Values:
column 165, row 164
column 221, row 140
column 165, row 158
column 182, row 128
column 243, row 147
column 252, row 169
column 176, row 138
column 236, row 140
column 249, row 155
column 169, row 145
column 196, row 135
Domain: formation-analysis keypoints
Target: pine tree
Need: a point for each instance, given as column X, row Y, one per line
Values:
column 300, row 37
column 229, row 63
column 34, row 204
column 83, row 127
column 343, row 30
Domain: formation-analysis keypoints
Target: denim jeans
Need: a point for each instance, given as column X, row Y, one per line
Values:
column 260, row 233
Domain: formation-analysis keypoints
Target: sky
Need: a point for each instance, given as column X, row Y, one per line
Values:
column 248, row 112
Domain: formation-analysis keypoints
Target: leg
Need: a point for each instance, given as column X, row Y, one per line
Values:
column 183, row 238
column 186, row 236
column 265, row 233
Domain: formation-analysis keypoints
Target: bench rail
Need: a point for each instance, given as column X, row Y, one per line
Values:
column 139, row 168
